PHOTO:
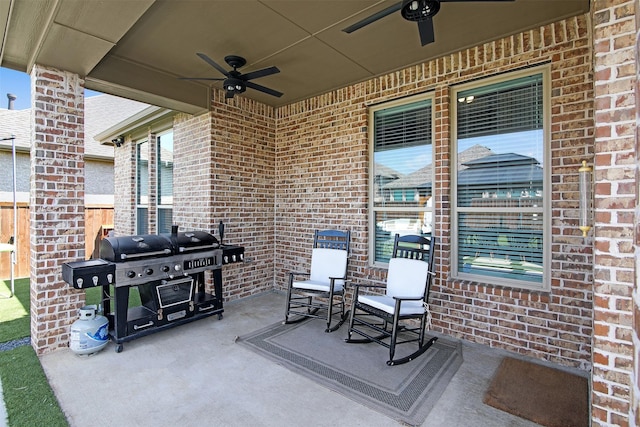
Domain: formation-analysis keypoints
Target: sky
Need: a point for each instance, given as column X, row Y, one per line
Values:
column 19, row 84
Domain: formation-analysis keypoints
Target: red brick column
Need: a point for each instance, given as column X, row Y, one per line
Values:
column 56, row 203
column 635, row 402
column 615, row 203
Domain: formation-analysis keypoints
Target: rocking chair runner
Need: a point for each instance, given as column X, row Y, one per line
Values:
column 378, row 317
column 326, row 280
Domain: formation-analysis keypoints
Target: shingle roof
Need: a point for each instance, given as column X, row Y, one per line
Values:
column 101, row 112
column 17, row 123
column 509, row 168
column 387, row 172
column 422, row 177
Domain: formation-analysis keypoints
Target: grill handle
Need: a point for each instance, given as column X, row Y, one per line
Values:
column 146, row 254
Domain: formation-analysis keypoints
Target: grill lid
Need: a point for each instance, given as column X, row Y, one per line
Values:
column 124, row 248
column 193, row 241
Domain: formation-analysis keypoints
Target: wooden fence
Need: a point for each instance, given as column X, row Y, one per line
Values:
column 94, row 219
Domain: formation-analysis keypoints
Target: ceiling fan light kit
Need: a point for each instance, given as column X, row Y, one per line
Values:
column 414, row 10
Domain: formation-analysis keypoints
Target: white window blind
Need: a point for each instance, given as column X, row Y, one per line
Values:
column 402, row 176
column 500, row 201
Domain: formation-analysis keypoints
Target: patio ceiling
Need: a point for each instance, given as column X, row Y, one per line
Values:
column 138, row 48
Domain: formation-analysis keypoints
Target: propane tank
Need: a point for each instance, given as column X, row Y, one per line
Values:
column 90, row 333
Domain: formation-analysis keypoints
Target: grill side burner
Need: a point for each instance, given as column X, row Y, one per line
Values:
column 169, row 273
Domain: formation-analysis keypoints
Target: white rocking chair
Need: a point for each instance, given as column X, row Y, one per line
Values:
column 381, row 318
column 320, row 293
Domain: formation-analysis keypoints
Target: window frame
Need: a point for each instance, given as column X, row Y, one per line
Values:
column 372, row 209
column 456, row 272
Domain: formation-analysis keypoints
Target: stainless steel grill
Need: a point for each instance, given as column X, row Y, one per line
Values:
column 168, row 272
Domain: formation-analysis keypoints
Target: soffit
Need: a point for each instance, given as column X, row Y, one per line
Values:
column 139, row 49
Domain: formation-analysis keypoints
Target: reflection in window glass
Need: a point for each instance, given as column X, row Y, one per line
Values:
column 142, row 187
column 402, row 178
column 165, row 182
column 500, row 180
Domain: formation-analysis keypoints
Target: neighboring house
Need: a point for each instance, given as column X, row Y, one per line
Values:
column 101, row 112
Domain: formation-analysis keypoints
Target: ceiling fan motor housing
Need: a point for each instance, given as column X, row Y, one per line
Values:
column 418, row 10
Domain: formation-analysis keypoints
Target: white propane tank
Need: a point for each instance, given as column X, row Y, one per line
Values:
column 90, row 333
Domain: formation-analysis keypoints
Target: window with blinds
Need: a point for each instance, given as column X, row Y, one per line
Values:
column 499, row 209
column 401, row 175
column 142, row 187
column 165, row 182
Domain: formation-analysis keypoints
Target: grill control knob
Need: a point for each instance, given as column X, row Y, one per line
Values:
column 177, row 267
column 131, row 274
column 166, row 268
column 148, row 271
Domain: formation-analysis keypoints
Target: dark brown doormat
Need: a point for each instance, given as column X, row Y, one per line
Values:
column 544, row 395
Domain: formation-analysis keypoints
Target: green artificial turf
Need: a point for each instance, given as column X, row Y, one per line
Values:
column 27, row 395
column 14, row 311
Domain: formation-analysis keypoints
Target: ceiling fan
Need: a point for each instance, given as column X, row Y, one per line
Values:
column 235, row 81
column 420, row 11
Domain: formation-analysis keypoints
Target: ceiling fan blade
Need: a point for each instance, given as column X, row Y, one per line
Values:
column 373, row 18
column 425, row 27
column 460, row 1
column 211, row 62
column 200, row 78
column 260, row 73
column 264, row 89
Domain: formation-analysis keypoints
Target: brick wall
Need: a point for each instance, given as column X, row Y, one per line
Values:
column 322, row 161
column 152, row 206
column 635, row 378
column 193, row 179
column 125, row 188
column 615, row 201
column 56, row 203
column 225, row 171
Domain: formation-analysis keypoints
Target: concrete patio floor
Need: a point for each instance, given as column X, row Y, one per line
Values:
column 196, row 374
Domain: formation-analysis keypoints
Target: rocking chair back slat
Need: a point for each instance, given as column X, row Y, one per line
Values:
column 331, row 239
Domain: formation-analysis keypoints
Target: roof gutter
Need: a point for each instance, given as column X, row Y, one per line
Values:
column 130, row 124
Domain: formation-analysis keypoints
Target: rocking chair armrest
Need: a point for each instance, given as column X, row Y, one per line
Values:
column 358, row 285
column 332, row 282
column 299, row 273
column 407, row 298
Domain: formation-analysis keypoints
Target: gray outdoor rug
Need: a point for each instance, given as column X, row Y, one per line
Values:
column 359, row 371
